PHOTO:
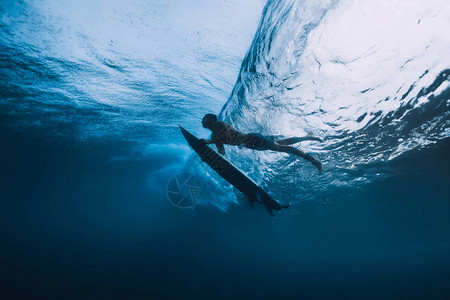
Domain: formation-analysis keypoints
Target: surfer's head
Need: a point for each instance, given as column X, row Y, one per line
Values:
column 208, row 120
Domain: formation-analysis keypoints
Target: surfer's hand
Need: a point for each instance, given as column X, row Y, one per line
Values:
column 207, row 141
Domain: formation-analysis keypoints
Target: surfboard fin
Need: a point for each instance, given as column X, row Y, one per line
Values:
column 252, row 201
column 270, row 211
column 258, row 198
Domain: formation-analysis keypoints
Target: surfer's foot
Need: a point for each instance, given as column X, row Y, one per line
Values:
column 314, row 138
column 315, row 162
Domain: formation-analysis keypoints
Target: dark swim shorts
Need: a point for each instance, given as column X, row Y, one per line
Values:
column 258, row 141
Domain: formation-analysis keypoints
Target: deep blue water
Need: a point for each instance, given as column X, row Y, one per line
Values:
column 91, row 95
column 75, row 224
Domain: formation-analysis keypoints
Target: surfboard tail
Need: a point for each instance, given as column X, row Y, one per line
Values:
column 270, row 203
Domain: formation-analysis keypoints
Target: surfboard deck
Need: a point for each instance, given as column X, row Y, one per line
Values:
column 231, row 173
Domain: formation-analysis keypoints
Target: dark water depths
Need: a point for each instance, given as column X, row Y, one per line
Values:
column 75, row 223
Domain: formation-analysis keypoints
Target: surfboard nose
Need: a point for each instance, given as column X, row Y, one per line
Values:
column 186, row 134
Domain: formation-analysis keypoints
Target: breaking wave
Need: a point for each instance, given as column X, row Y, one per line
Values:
column 370, row 77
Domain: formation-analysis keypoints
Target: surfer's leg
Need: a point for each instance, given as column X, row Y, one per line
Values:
column 298, row 152
column 296, row 139
column 289, row 141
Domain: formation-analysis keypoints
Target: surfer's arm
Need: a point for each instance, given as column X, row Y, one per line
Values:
column 206, row 141
column 211, row 141
column 220, row 147
column 219, row 144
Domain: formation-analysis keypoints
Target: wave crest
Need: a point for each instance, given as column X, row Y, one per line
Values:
column 372, row 78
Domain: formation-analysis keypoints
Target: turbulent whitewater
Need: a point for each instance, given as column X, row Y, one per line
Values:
column 371, row 77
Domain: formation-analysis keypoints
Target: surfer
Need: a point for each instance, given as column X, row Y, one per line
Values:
column 224, row 133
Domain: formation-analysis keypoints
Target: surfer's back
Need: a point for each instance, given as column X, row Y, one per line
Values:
column 227, row 134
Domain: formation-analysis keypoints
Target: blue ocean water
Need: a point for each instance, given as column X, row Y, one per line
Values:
column 91, row 96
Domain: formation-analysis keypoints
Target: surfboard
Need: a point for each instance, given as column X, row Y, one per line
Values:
column 231, row 173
